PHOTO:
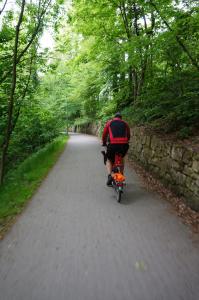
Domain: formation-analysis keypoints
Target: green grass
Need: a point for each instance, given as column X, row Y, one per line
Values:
column 21, row 183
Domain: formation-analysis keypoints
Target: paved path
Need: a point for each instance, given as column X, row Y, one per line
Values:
column 75, row 242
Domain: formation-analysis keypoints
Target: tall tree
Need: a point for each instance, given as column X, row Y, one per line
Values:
column 19, row 47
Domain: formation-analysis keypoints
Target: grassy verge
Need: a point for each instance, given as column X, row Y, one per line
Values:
column 21, row 183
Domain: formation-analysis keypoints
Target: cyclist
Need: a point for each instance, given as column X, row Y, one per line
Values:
column 117, row 134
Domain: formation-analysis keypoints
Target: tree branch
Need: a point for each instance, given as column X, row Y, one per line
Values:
column 36, row 31
column 177, row 37
column 125, row 20
column 136, row 19
column 3, row 7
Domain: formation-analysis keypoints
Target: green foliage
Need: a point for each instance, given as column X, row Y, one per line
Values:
column 184, row 132
column 43, row 122
column 139, row 57
column 170, row 103
column 145, row 54
column 26, row 122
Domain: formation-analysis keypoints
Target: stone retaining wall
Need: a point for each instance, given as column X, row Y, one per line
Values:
column 176, row 164
column 93, row 129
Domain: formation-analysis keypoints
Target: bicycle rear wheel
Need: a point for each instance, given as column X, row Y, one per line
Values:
column 119, row 196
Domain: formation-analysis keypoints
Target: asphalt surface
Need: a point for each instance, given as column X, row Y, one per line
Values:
column 75, row 242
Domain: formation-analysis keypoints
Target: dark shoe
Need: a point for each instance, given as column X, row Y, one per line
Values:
column 109, row 181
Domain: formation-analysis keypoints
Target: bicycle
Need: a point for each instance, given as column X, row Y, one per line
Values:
column 118, row 179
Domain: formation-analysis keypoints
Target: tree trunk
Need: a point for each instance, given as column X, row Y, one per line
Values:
column 11, row 98
column 142, row 75
column 130, row 85
column 135, row 86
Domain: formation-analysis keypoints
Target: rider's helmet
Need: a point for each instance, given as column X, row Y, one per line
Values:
column 118, row 115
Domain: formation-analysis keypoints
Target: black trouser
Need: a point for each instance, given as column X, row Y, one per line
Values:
column 112, row 149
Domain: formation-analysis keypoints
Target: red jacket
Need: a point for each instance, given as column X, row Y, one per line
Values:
column 116, row 131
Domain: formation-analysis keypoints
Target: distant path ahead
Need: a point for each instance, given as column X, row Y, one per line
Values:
column 75, row 242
